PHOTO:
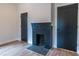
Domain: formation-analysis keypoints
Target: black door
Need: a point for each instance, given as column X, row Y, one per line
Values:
column 24, row 27
column 67, row 27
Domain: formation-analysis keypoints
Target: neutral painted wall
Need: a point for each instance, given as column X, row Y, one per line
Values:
column 54, row 22
column 37, row 12
column 78, row 32
column 8, row 25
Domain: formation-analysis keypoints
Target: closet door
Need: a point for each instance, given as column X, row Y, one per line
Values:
column 24, row 27
column 67, row 27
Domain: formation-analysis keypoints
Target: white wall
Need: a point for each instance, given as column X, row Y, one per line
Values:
column 78, row 32
column 54, row 22
column 8, row 25
column 37, row 12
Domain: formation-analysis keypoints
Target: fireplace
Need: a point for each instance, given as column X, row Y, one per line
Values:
column 42, row 34
column 40, row 39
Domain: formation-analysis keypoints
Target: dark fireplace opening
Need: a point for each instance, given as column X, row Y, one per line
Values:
column 40, row 39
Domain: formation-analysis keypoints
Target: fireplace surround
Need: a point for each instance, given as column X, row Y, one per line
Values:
column 42, row 34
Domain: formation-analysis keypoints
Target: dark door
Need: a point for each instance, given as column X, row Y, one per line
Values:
column 24, row 27
column 67, row 27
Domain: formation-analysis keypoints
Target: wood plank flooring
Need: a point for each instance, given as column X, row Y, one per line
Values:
column 61, row 52
column 18, row 48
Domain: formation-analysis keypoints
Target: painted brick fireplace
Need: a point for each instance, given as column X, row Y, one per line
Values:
column 42, row 34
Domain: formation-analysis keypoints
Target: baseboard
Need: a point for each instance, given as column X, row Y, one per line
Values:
column 7, row 42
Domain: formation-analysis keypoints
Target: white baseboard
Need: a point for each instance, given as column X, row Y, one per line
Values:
column 7, row 41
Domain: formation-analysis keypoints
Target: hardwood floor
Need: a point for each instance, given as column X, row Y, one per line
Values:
column 61, row 52
column 17, row 49
column 20, row 49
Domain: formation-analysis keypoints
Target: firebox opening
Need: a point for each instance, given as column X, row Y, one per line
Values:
column 40, row 39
